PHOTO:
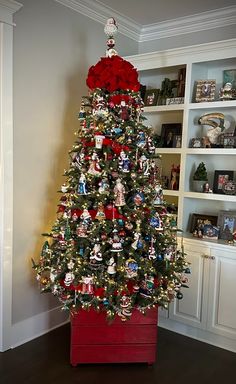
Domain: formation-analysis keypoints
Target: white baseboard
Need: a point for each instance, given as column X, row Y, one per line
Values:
column 38, row 325
column 198, row 334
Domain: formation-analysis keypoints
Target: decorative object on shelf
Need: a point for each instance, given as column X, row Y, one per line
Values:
column 166, row 91
column 168, row 131
column 226, row 92
column 205, row 90
column 177, row 141
column 199, row 178
column 229, row 188
column 181, row 82
column 217, row 122
column 227, row 225
column 174, row 100
column 206, row 188
column 228, row 139
column 198, row 221
column 174, row 177
column 220, row 178
column 151, row 96
column 210, row 232
column 196, row 142
column 229, row 76
column 165, row 182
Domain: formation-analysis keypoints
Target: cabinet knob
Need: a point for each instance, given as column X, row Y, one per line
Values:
column 208, row 257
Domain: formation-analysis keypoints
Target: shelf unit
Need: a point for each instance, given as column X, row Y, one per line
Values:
column 205, row 61
column 207, row 311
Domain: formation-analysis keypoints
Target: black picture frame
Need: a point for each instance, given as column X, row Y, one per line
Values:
column 199, row 220
column 168, row 132
column 227, row 224
column 220, row 178
column 151, row 97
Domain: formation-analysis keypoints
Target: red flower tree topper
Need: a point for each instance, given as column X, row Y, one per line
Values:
column 113, row 73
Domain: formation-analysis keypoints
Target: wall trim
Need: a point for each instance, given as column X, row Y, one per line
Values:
column 178, row 55
column 198, row 334
column 203, row 21
column 7, row 8
column 100, row 13
column 36, row 326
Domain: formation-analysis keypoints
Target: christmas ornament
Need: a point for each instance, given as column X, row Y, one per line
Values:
column 119, row 191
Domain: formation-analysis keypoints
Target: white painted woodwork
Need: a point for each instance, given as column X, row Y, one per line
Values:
column 208, row 309
column 7, row 9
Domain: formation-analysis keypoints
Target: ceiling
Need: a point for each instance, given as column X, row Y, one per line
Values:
column 155, row 11
column 149, row 20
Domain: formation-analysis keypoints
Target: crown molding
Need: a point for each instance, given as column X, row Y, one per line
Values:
column 177, row 56
column 96, row 11
column 195, row 23
column 100, row 13
column 7, row 9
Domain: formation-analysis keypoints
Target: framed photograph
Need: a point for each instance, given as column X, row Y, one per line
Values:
column 229, row 76
column 227, row 225
column 196, row 142
column 210, row 232
column 177, row 141
column 168, row 131
column 221, row 178
column 205, row 90
column 229, row 141
column 199, row 221
column 151, row 97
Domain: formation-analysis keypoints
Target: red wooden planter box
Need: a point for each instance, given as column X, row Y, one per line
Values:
column 93, row 340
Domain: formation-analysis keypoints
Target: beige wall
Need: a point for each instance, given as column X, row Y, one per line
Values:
column 53, row 49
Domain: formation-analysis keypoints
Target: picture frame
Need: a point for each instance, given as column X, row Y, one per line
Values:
column 196, row 142
column 220, row 178
column 168, row 131
column 151, row 97
column 201, row 218
column 198, row 223
column 229, row 76
column 229, row 141
column 205, row 90
column 227, row 225
column 177, row 141
column 210, row 232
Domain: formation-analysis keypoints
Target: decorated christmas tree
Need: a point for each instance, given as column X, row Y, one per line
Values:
column 113, row 245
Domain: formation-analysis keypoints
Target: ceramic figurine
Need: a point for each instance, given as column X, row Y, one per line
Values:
column 119, row 191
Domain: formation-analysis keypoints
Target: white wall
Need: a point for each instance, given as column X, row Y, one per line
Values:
column 53, row 50
column 188, row 39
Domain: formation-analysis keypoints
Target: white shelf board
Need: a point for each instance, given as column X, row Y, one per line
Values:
column 210, row 196
column 213, row 104
column 211, row 151
column 170, row 192
column 164, row 108
column 167, row 150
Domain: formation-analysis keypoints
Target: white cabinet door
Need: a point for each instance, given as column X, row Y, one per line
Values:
column 192, row 309
column 222, row 293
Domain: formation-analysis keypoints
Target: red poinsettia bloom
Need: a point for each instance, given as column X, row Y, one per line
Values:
column 112, row 74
